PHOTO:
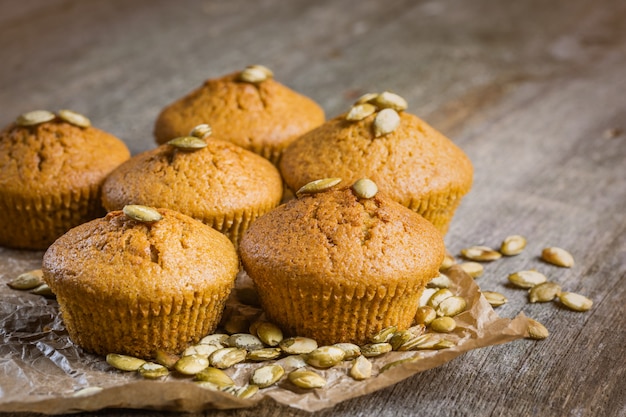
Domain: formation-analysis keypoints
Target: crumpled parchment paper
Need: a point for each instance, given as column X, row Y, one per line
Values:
column 42, row 371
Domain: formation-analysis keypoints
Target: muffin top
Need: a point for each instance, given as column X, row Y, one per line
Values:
column 210, row 181
column 408, row 163
column 56, row 155
column 263, row 116
column 119, row 257
column 335, row 235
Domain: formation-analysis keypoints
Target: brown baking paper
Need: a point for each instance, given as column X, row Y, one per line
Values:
column 42, row 371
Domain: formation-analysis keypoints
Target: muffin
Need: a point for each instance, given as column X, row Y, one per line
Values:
column 140, row 281
column 256, row 112
column 339, row 265
column 410, row 161
column 51, row 172
column 211, row 180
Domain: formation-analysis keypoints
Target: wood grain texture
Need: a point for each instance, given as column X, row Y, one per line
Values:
column 528, row 89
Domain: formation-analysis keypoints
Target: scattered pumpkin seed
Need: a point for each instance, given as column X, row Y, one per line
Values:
column 480, row 253
column 267, row 375
column 325, row 356
column 361, row 368
column 264, row 354
column 557, row 256
column 294, row 362
column 253, row 74
column 387, row 100
column 366, row 98
column 74, row 118
column 151, row 370
column 43, row 290
column 371, row 350
column 544, row 292
column 425, row 315
column 399, row 362
column 27, row 281
column 360, row 112
column 305, row 378
column 527, row 279
column 575, row 301
column 513, row 245
column 202, row 131
column 124, row 362
column 451, row 306
column 318, row 186
column 473, row 269
column 494, row 298
column 142, row 214
column 217, row 339
column 440, row 281
column 227, row 357
column 384, row 335
column 365, row 188
column 400, row 338
column 298, row 345
column 166, row 359
column 201, row 350
column 350, row 350
column 269, row 333
column 443, row 324
column 448, row 261
column 418, row 341
column 268, row 72
column 188, row 143
column 191, row 365
column 244, row 341
column 34, row 117
column 444, row 344
column 87, row 391
column 438, row 297
column 385, row 122
column 536, row 330
column 247, row 391
column 426, row 294
column 215, row 376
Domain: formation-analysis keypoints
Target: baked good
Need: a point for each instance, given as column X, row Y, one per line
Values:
column 409, row 160
column 338, row 267
column 135, row 284
column 51, row 171
column 248, row 107
column 214, row 181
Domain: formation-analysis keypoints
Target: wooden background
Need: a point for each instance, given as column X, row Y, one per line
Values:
column 534, row 91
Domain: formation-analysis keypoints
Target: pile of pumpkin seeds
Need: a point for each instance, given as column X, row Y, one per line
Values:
column 386, row 105
column 36, row 117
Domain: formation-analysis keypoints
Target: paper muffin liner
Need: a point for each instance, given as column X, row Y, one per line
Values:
column 35, row 222
column 438, row 208
column 335, row 313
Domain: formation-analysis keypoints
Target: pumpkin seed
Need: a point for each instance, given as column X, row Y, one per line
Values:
column 513, row 245
column 451, row 306
column 400, row 338
column 375, row 349
column 191, row 365
column 74, row 118
column 387, row 100
column 384, row 335
column 418, row 341
column 544, row 292
column 268, row 72
column 247, row 391
column 361, row 368
column 43, row 290
column 399, row 362
column 87, row 391
column 143, row 214
column 443, row 324
column 151, row 370
column 269, row 333
column 124, row 362
column 34, row 117
column 426, row 294
column 28, row 280
column 365, row 188
column 253, row 74
column 207, row 385
column 244, row 341
column 217, row 339
column 201, row 131
column 298, row 345
column 527, row 279
column 318, row 186
column 575, row 301
column 438, row 297
column 294, row 361
column 495, row 298
column 425, row 315
column 440, row 281
column 366, row 98
column 227, row 357
column 201, row 350
column 166, row 359
column 188, row 143
column 448, row 261
column 215, row 376
column 325, row 356
column 304, row 378
column 385, row 122
column 264, row 354
column 236, row 324
column 350, row 350
column 444, row 344
column 557, row 256
column 473, row 269
column 267, row 375
column 536, row 330
column 360, row 112
column 417, row 330
column 480, row 253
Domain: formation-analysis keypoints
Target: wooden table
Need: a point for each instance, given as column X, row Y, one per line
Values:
column 533, row 91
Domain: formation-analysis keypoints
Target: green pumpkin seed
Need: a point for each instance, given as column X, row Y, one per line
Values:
column 400, row 338
column 440, row 281
column 385, row 122
column 527, row 279
column 575, row 301
column 215, row 376
column 227, row 357
column 361, row 368
column 87, row 391
column 142, row 214
column 438, row 297
column 28, row 280
column 298, row 345
column 293, row 362
column 325, row 356
column 557, row 256
column 451, row 306
column 448, row 261
column 371, row 350
column 43, row 290
column 425, row 315
column 443, row 324
column 387, row 100
column 264, row 354
column 473, row 269
column 74, row 118
column 417, row 342
column 480, row 253
column 304, row 378
column 444, row 344
column 201, row 131
column 217, row 339
column 365, row 188
column 151, row 370
column 267, row 375
column 360, row 112
column 400, row 362
column 244, row 341
column 494, row 298
column 188, row 143
column 269, row 333
column 426, row 294
column 166, row 359
column 350, row 350
column 544, row 292
column 124, row 362
column 201, row 350
column 536, row 330
column 384, row 335
column 34, row 117
column 366, row 98
column 513, row 245
column 318, row 186
column 191, row 365
column 253, row 74
column 247, row 391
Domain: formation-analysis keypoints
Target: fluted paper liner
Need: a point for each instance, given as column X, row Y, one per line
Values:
column 42, row 369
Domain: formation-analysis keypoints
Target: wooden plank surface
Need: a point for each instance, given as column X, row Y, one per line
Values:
column 529, row 89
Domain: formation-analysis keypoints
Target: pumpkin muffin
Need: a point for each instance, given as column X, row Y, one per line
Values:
column 410, row 161
column 211, row 180
column 140, row 281
column 252, row 110
column 52, row 167
column 339, row 265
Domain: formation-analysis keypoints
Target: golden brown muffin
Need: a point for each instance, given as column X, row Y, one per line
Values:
column 339, row 268
column 260, row 115
column 51, row 173
column 135, row 287
column 220, row 184
column 413, row 164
